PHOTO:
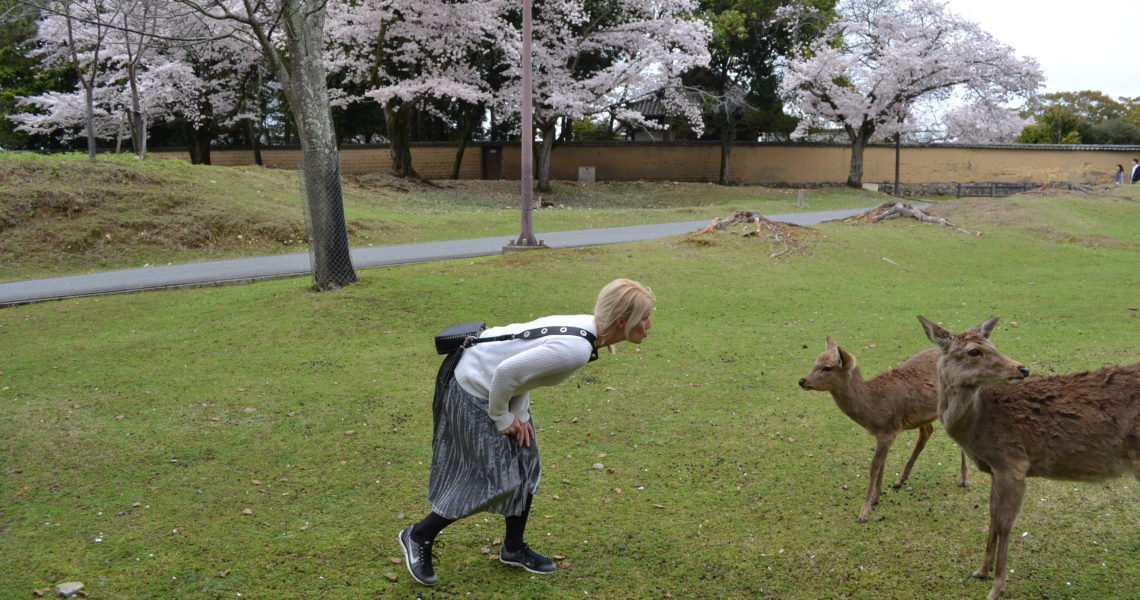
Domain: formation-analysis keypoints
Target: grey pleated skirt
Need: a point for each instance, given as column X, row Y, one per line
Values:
column 474, row 467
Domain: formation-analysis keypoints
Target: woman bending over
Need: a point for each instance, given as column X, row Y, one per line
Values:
column 484, row 449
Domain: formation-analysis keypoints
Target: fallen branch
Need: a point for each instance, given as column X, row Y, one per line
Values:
column 780, row 232
column 894, row 210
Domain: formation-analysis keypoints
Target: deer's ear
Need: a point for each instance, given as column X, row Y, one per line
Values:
column 986, row 327
column 845, row 359
column 831, row 344
column 940, row 336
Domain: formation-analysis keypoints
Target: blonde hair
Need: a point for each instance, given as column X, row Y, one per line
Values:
column 623, row 298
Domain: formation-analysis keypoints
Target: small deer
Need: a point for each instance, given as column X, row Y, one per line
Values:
column 902, row 398
column 1081, row 426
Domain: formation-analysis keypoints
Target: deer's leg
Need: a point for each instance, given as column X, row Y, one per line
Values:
column 875, row 485
column 965, row 482
column 924, row 432
column 1006, row 493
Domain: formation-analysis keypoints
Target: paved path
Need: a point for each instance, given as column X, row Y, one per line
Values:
column 245, row 270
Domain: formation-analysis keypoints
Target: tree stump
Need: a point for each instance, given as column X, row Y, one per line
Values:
column 782, row 234
column 894, row 210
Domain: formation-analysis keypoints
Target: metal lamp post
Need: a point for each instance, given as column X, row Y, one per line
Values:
column 526, row 239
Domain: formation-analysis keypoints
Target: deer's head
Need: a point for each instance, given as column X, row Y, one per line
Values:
column 830, row 371
column 970, row 358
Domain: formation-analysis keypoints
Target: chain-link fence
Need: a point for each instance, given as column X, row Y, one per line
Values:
column 323, row 198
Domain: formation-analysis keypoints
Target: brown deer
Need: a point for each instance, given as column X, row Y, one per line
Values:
column 1082, row 426
column 893, row 401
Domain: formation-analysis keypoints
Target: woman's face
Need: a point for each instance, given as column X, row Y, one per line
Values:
column 641, row 330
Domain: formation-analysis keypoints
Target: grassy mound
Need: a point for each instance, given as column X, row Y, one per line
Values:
column 72, row 213
column 65, row 214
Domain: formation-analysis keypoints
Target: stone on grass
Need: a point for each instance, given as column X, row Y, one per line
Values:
column 69, row 589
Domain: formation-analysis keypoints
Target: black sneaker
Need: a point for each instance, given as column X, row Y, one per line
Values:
column 529, row 560
column 418, row 558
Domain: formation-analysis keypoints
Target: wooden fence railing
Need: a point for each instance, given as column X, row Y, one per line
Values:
column 993, row 190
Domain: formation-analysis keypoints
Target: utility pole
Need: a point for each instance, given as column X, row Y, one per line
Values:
column 898, row 138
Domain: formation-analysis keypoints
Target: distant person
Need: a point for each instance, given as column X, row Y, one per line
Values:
column 1136, row 170
column 1119, row 174
column 484, row 450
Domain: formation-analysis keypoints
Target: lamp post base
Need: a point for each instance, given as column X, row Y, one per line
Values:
column 514, row 246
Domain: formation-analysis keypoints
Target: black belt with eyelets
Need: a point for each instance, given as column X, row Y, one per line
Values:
column 538, row 332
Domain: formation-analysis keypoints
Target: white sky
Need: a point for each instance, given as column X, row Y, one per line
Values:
column 1079, row 44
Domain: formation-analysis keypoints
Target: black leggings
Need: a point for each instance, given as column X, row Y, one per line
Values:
column 427, row 529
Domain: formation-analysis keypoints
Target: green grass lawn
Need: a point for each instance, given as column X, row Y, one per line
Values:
column 138, row 428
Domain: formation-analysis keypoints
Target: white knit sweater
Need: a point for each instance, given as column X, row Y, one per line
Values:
column 505, row 372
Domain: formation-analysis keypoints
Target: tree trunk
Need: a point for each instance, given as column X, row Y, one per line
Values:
column 397, row 118
column 307, row 91
column 138, row 119
column 88, row 84
column 567, row 129
column 855, row 175
column 191, row 142
column 332, row 263
column 255, row 142
column 198, row 141
column 727, row 126
column 726, row 140
column 546, row 129
column 469, row 117
column 203, row 137
column 89, row 101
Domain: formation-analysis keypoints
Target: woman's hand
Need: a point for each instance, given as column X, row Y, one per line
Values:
column 523, row 432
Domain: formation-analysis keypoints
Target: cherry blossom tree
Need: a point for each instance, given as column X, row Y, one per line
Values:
column 145, row 69
column 208, row 80
column 592, row 58
column 881, row 56
column 73, row 32
column 66, row 115
column 130, row 44
column 22, row 74
column 401, row 54
column 983, row 123
column 290, row 36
